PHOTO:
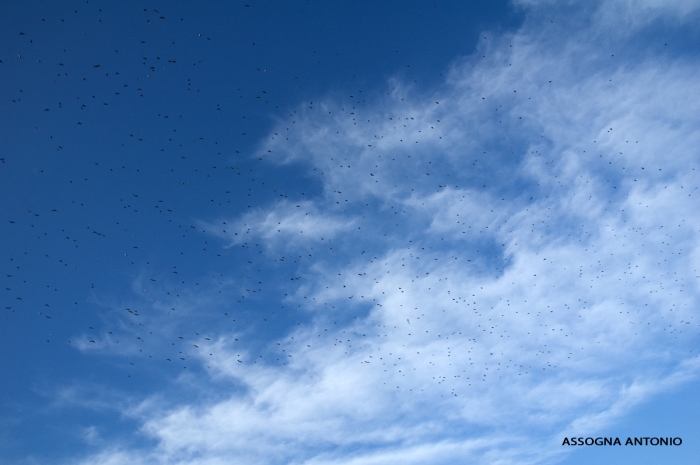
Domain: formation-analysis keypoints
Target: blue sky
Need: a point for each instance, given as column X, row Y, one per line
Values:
column 321, row 233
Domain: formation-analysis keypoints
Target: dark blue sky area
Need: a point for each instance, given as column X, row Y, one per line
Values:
column 123, row 125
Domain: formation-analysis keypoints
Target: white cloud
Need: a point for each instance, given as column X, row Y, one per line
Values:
column 548, row 288
column 283, row 225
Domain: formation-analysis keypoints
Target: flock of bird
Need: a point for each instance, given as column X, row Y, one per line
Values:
column 137, row 220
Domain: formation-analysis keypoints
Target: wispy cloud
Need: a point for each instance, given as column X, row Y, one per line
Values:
column 533, row 236
column 286, row 224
